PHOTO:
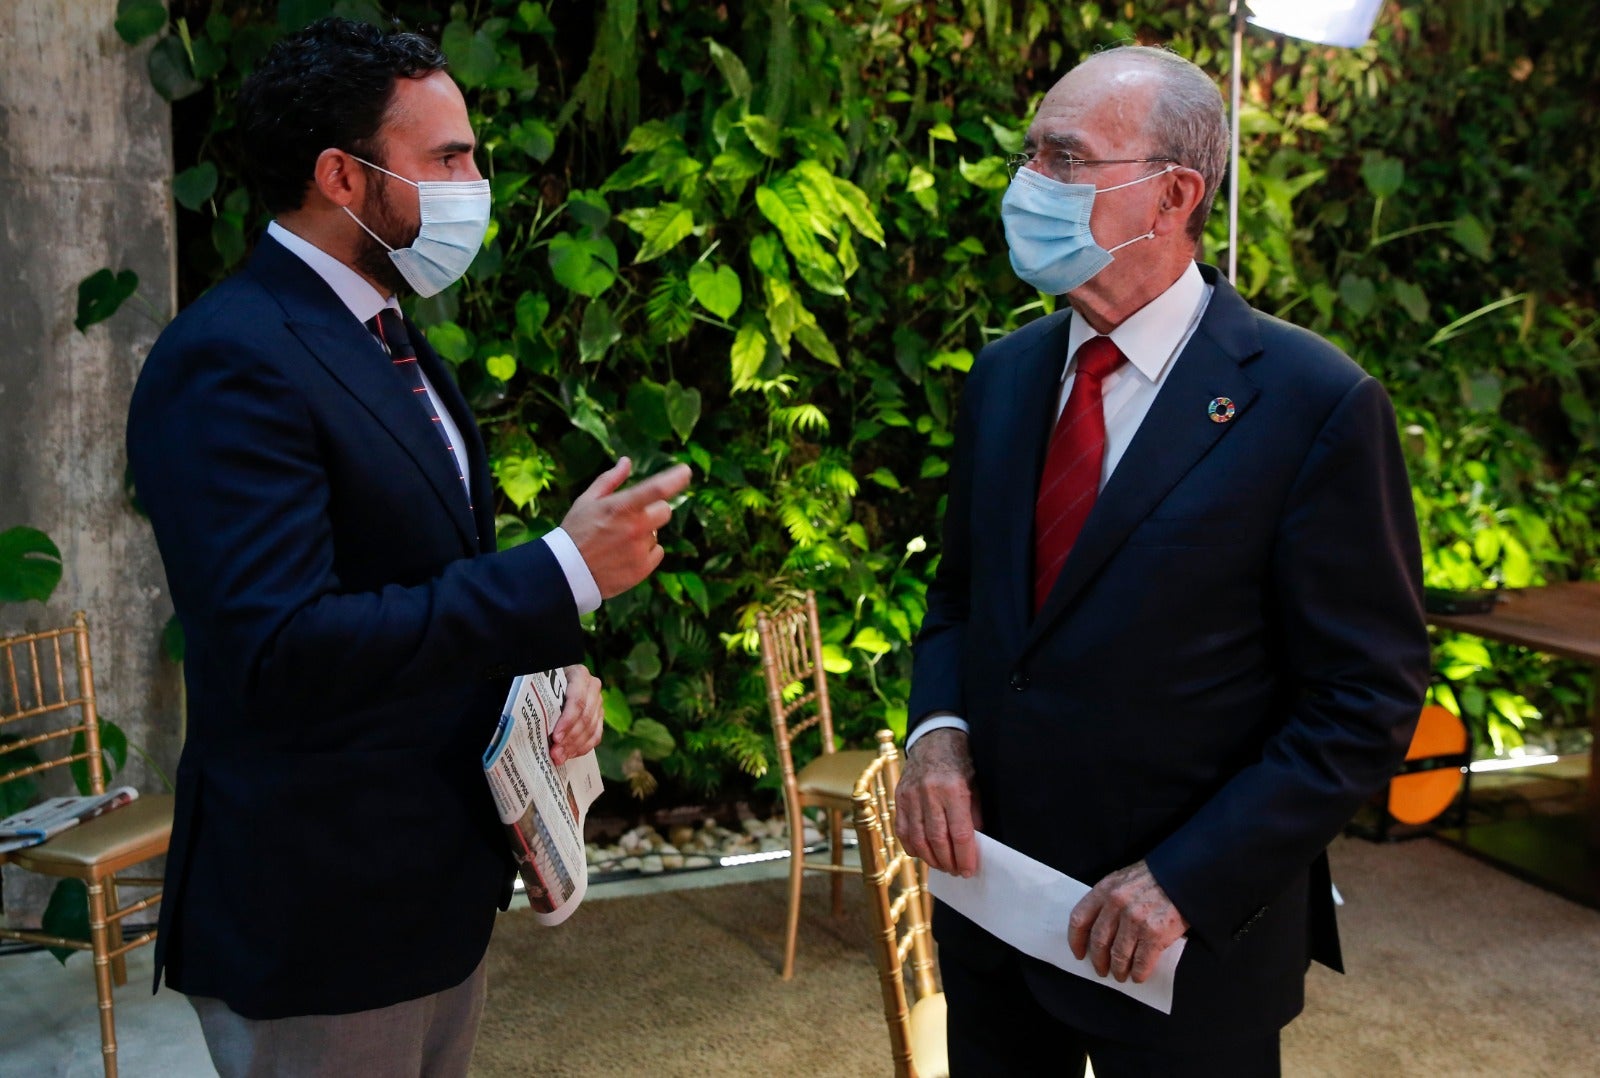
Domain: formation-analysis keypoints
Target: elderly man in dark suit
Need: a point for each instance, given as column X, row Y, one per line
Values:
column 321, row 499
column 1176, row 635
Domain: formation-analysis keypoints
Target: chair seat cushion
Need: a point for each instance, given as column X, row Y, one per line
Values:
column 930, row 1052
column 834, row 774
column 143, row 825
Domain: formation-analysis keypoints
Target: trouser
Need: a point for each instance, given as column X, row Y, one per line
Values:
column 430, row 1037
column 997, row 1029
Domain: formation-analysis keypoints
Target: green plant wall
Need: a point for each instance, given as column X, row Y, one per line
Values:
column 762, row 237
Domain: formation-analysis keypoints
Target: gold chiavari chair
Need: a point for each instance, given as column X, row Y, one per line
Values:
column 901, row 934
column 47, row 721
column 791, row 655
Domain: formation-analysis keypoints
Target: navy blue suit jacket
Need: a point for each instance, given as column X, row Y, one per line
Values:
column 350, row 638
column 1232, row 659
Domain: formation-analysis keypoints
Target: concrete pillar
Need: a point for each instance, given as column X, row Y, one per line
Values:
column 85, row 170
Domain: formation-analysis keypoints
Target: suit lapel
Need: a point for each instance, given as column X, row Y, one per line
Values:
column 354, row 358
column 1175, row 434
column 1035, row 389
column 1007, row 480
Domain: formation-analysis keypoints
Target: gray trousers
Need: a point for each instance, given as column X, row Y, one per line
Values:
column 430, row 1037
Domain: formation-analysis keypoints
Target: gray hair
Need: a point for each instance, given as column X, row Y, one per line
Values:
column 1187, row 123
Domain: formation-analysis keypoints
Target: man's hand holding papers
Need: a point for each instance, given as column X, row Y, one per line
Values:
column 1029, row 905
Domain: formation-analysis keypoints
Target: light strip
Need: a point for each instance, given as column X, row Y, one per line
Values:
column 1507, row 763
column 752, row 858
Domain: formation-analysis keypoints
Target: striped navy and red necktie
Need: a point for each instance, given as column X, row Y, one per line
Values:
column 390, row 329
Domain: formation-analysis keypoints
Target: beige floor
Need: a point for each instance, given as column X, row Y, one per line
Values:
column 49, row 1025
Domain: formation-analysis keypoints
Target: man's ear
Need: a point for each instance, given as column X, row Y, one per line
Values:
column 1181, row 194
column 339, row 178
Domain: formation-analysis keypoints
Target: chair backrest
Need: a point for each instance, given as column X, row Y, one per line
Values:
column 791, row 652
column 897, row 906
column 1431, row 776
column 47, row 702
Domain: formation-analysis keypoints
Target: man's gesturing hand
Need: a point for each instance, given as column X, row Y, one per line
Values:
column 615, row 531
column 936, row 804
column 1124, row 923
column 582, row 718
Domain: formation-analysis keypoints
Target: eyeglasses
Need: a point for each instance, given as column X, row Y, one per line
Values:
column 1063, row 166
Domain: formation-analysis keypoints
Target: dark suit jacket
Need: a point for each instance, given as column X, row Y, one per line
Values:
column 1232, row 659
column 350, row 639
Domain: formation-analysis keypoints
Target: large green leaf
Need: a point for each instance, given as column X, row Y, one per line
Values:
column 989, row 173
column 30, row 565
column 172, row 640
column 17, row 794
column 523, row 476
column 663, row 228
column 67, row 915
column 451, row 341
column 138, row 19
column 718, row 289
column 531, row 311
column 170, row 71
column 1382, row 174
column 732, row 69
column 586, row 266
column 644, row 661
column 683, row 409
column 472, row 55
column 647, row 407
column 600, row 331
column 748, row 353
column 100, row 295
column 193, row 186
column 653, row 739
column 113, row 753
column 618, row 712
column 783, row 205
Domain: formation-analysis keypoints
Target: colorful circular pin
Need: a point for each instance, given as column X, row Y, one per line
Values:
column 1220, row 410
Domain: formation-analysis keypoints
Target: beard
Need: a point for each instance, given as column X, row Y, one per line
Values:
column 372, row 258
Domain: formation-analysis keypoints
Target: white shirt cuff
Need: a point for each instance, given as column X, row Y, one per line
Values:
column 937, row 720
column 585, row 592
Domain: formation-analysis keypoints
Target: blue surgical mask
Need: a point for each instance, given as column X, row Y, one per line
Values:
column 1047, row 229
column 455, row 216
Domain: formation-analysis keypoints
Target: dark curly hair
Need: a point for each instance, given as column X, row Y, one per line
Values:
column 328, row 85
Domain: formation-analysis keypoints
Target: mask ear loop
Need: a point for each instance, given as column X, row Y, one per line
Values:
column 358, row 220
column 367, row 230
column 1118, row 247
column 1171, row 167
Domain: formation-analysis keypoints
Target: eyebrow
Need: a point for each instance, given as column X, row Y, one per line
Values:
column 1070, row 143
column 453, row 147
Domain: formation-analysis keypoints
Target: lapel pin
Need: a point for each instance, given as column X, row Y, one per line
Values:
column 1220, row 410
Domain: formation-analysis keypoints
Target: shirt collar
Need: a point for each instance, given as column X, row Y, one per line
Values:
column 1151, row 335
column 354, row 290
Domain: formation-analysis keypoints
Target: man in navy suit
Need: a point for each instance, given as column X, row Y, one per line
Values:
column 321, row 499
column 1176, row 635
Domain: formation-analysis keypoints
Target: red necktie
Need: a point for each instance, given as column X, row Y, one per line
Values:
column 390, row 329
column 1071, row 478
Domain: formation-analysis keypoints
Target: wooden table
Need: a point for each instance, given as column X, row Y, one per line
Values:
column 1562, row 620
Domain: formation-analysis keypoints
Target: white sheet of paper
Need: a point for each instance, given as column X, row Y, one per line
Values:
column 1027, row 904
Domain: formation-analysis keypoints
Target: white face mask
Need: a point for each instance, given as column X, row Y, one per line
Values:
column 455, row 216
column 1047, row 230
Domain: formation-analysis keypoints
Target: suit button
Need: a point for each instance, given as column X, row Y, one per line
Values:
column 1019, row 680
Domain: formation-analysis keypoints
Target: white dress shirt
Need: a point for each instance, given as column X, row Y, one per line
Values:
column 1151, row 338
column 365, row 301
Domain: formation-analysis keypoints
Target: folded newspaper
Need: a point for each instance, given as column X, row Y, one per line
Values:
column 50, row 817
column 542, row 805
